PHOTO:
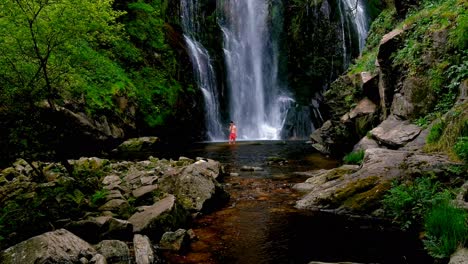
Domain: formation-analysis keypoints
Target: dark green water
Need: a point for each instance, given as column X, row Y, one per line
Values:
column 261, row 225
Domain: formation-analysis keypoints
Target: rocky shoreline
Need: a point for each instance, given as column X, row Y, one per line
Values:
column 144, row 206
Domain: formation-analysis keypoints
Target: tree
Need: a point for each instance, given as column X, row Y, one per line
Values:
column 45, row 47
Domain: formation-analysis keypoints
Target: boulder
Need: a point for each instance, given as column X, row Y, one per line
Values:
column 138, row 144
column 60, row 246
column 459, row 257
column 388, row 45
column 175, row 241
column 88, row 230
column 142, row 191
column 364, row 107
column 195, row 185
column 395, row 133
column 144, row 253
column 143, row 221
column 115, row 251
column 361, row 191
column 413, row 100
column 115, row 228
column 366, row 143
column 370, row 87
column 114, row 205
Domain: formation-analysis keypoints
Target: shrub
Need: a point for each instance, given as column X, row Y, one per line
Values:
column 436, row 132
column 354, row 157
column 461, row 148
column 407, row 203
column 446, row 229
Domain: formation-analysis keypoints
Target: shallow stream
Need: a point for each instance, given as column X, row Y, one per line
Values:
column 261, row 225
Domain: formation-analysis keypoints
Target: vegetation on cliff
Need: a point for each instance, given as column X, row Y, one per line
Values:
column 110, row 61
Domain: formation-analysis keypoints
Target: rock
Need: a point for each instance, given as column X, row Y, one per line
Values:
column 364, row 107
column 88, row 230
column 144, row 221
column 370, row 87
column 413, row 100
column 362, row 190
column 251, row 168
column 388, row 45
column 144, row 253
column 114, row 205
column 144, row 190
column 366, row 143
column 195, row 186
column 459, row 257
column 461, row 199
column 98, row 259
column 114, row 194
column 395, row 133
column 115, row 228
column 463, row 94
column 115, row 251
column 89, row 164
column 138, row 144
column 317, row 262
column 111, row 179
column 234, row 174
column 60, row 246
column 174, row 241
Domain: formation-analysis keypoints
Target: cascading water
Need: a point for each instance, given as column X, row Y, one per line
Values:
column 204, row 72
column 257, row 104
column 356, row 8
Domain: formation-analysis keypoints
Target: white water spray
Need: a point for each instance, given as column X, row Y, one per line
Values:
column 257, row 104
column 360, row 19
column 204, row 72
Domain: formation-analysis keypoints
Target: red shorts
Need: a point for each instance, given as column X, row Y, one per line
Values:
column 232, row 136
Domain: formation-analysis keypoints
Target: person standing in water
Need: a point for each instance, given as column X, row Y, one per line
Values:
column 232, row 133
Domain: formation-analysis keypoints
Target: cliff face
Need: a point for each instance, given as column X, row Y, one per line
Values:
column 413, row 73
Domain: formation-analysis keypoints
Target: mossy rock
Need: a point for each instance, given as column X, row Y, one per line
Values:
column 353, row 188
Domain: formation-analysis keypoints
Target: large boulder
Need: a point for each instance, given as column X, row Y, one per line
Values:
column 387, row 74
column 59, row 246
column 395, row 133
column 138, row 144
column 362, row 190
column 115, row 251
column 459, row 257
column 195, row 185
column 162, row 216
column 144, row 253
column 414, row 99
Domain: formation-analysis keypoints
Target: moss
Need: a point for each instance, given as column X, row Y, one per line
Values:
column 338, row 173
column 353, row 188
column 369, row 200
column 456, row 126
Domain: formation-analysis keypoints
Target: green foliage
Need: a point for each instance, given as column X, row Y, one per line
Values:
column 354, row 157
column 436, row 132
column 383, row 24
column 454, row 125
column 446, row 229
column 422, row 122
column 409, row 202
column 461, row 148
column 98, row 198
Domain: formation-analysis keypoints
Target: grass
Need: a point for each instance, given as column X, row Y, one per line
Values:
column 446, row 229
column 354, row 157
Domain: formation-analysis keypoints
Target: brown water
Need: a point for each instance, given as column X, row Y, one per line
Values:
column 261, row 225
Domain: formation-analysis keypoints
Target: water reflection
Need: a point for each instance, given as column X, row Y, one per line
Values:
column 261, row 225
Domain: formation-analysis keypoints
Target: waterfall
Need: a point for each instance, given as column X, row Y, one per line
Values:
column 257, row 103
column 357, row 9
column 204, row 72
